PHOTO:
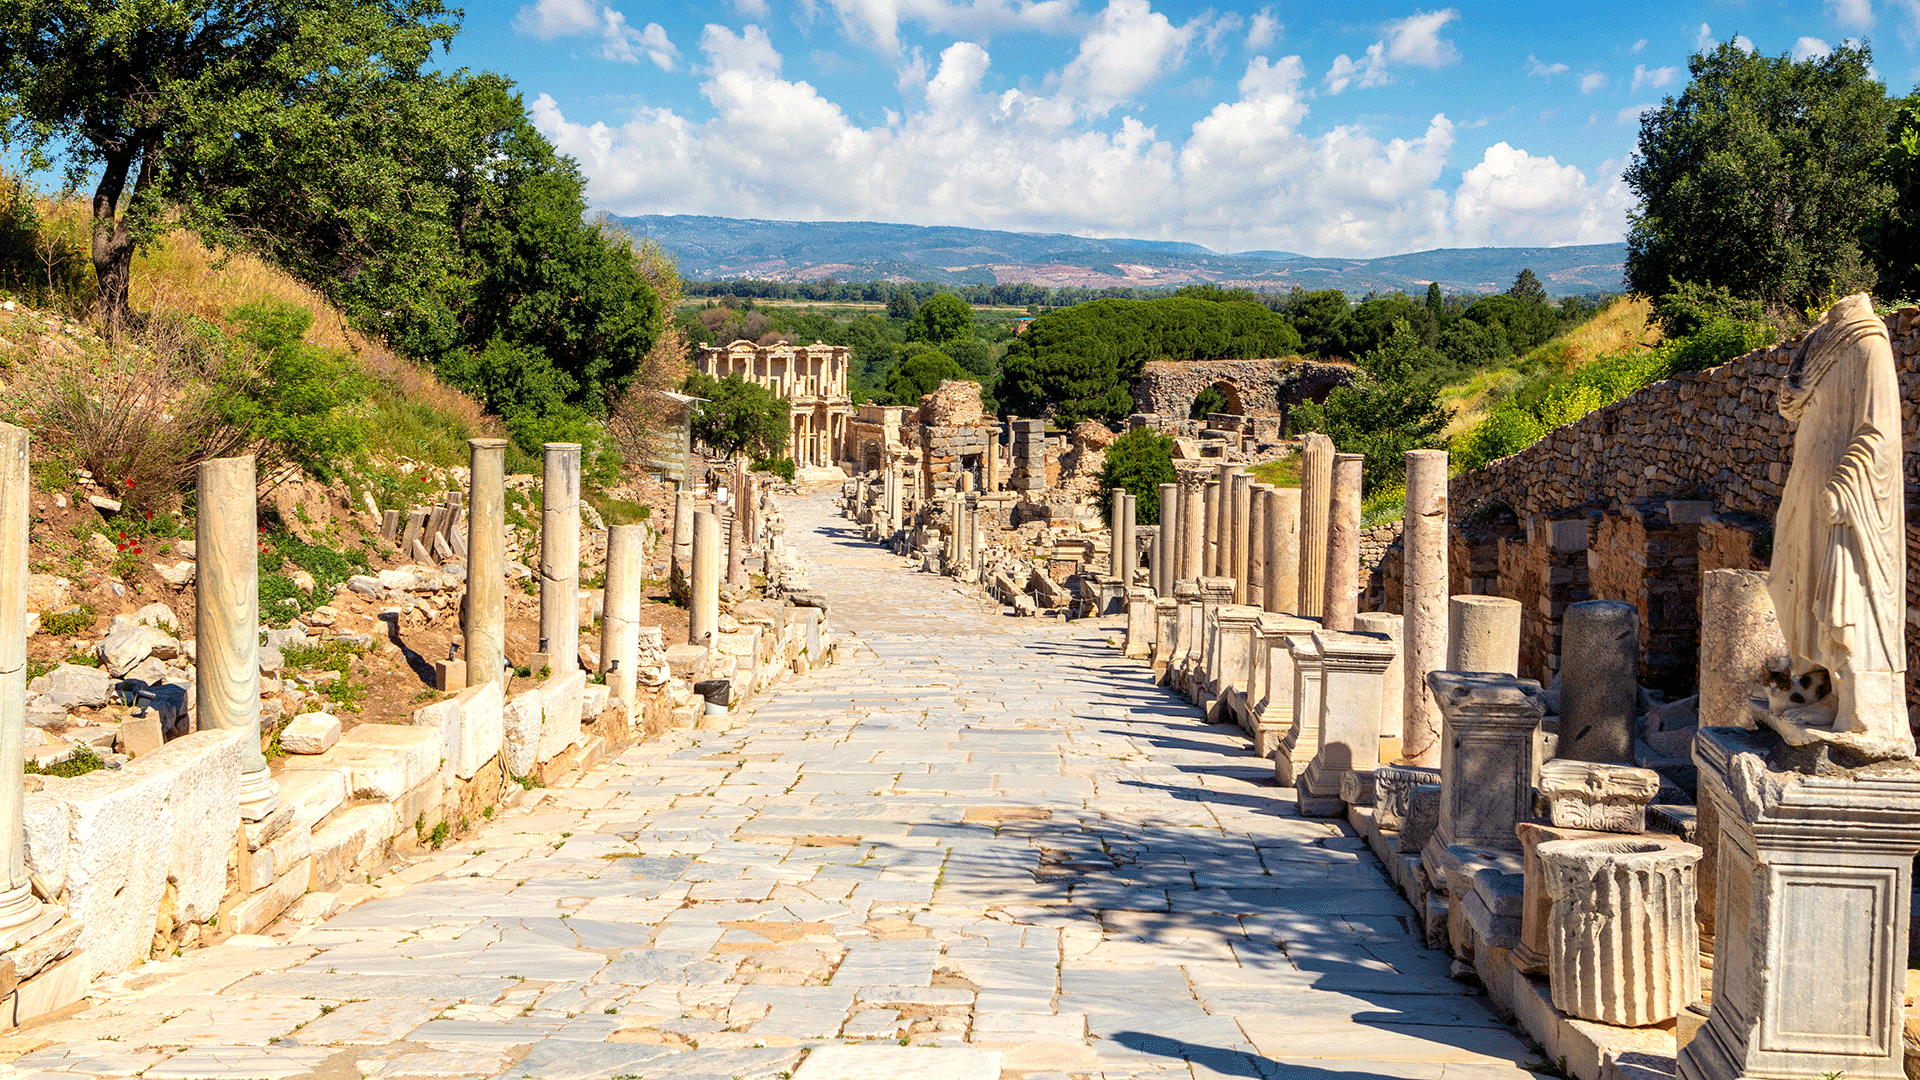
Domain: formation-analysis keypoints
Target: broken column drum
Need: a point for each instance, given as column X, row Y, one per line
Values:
column 1283, row 550
column 1316, row 493
column 1424, row 603
column 560, row 557
column 1621, row 943
column 486, row 616
column 17, row 905
column 1343, row 545
column 1483, row 634
column 1599, row 680
column 1739, row 636
column 620, row 610
column 227, row 621
column 703, row 617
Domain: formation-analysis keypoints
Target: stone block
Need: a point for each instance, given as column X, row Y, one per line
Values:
column 1422, row 817
column 560, row 702
column 470, row 726
column 54, row 989
column 260, row 868
column 386, row 760
column 313, row 794
column 138, row 735
column 45, row 828
column 257, row 912
column 310, row 733
column 357, row 837
column 33, row 955
column 520, row 732
column 449, row 675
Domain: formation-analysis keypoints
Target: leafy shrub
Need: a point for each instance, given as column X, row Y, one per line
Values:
column 1139, row 461
column 82, row 761
column 1387, row 412
column 75, row 620
column 781, row 467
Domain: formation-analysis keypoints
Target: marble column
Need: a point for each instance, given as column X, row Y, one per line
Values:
column 17, row 905
column 1621, row 944
column 1342, row 601
column 1283, row 550
column 1599, row 680
column 1129, row 541
column 560, row 557
column 1483, row 634
column 1392, row 695
column 1210, row 562
column 486, row 620
column 1316, row 494
column 620, row 610
column 736, row 530
column 226, row 631
column 1353, row 667
column 1242, row 535
column 1193, row 529
column 683, row 538
column 1116, row 509
column 703, row 616
column 1170, row 536
column 1739, row 633
column 1486, row 764
column 1257, row 545
column 1157, row 560
column 1224, row 537
column 1424, row 601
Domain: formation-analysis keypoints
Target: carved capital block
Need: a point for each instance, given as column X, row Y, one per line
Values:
column 1603, row 798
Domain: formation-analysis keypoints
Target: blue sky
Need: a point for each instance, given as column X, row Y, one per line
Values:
column 1349, row 129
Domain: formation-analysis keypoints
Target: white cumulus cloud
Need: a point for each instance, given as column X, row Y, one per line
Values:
column 1631, row 114
column 625, row 44
column 1129, row 47
column 1853, row 14
column 557, row 18
column 1413, row 40
column 1264, row 31
column 1545, row 71
column 1810, row 48
column 1214, row 31
column 1252, row 173
column 877, row 22
column 1593, row 80
column 1653, row 78
column 620, row 41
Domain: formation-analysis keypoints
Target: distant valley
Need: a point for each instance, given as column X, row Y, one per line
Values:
column 713, row 248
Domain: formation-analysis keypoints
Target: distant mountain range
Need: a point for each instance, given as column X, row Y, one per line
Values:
column 715, row 248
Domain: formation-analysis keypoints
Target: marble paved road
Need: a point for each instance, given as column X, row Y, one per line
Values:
column 983, row 839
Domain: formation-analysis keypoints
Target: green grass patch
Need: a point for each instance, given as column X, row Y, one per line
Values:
column 75, row 620
column 81, row 762
column 1282, row 472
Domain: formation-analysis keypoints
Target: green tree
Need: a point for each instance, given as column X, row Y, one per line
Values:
column 942, row 319
column 1436, row 305
column 922, row 373
column 1894, row 241
column 1139, row 462
column 739, row 417
column 136, row 90
column 1322, row 318
column 1386, row 413
column 1527, row 287
column 901, row 305
column 1760, row 177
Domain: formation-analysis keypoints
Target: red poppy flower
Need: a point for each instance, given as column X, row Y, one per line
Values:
column 123, row 547
column 139, row 551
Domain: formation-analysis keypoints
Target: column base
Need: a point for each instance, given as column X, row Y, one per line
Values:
column 259, row 795
column 18, row 906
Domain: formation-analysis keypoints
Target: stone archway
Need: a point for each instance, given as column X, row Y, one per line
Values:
column 1224, row 393
column 1258, row 387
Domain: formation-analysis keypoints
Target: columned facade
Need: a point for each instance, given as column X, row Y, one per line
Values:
column 812, row 379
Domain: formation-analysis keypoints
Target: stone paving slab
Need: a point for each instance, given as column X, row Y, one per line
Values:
column 976, row 848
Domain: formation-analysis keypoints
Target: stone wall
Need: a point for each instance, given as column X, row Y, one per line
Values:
column 1254, row 387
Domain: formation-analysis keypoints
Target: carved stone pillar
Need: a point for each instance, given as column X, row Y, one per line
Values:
column 620, row 610
column 1353, row 667
column 1316, row 495
column 1302, row 739
column 1141, row 624
column 1193, row 528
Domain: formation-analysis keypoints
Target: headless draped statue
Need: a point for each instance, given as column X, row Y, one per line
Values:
column 1839, row 577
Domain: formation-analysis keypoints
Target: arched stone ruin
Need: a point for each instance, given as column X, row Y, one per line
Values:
column 1257, row 387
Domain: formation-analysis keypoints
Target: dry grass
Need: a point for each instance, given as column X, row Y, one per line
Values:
column 1621, row 328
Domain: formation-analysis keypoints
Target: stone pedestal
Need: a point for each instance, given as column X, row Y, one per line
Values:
column 485, row 623
column 1621, row 945
column 703, row 616
column 1392, row 696
column 1272, row 709
column 1186, row 599
column 560, row 557
column 1316, row 494
column 1166, row 620
column 1141, row 624
column 1483, row 634
column 1486, row 761
column 1232, row 658
column 1814, row 886
column 1424, row 602
column 1302, row 740
column 1599, row 680
column 1353, row 667
column 1343, row 545
column 1241, row 486
column 227, row 622
column 1604, row 798
column 1214, row 594
column 620, row 611
column 1283, row 550
column 1739, row 634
